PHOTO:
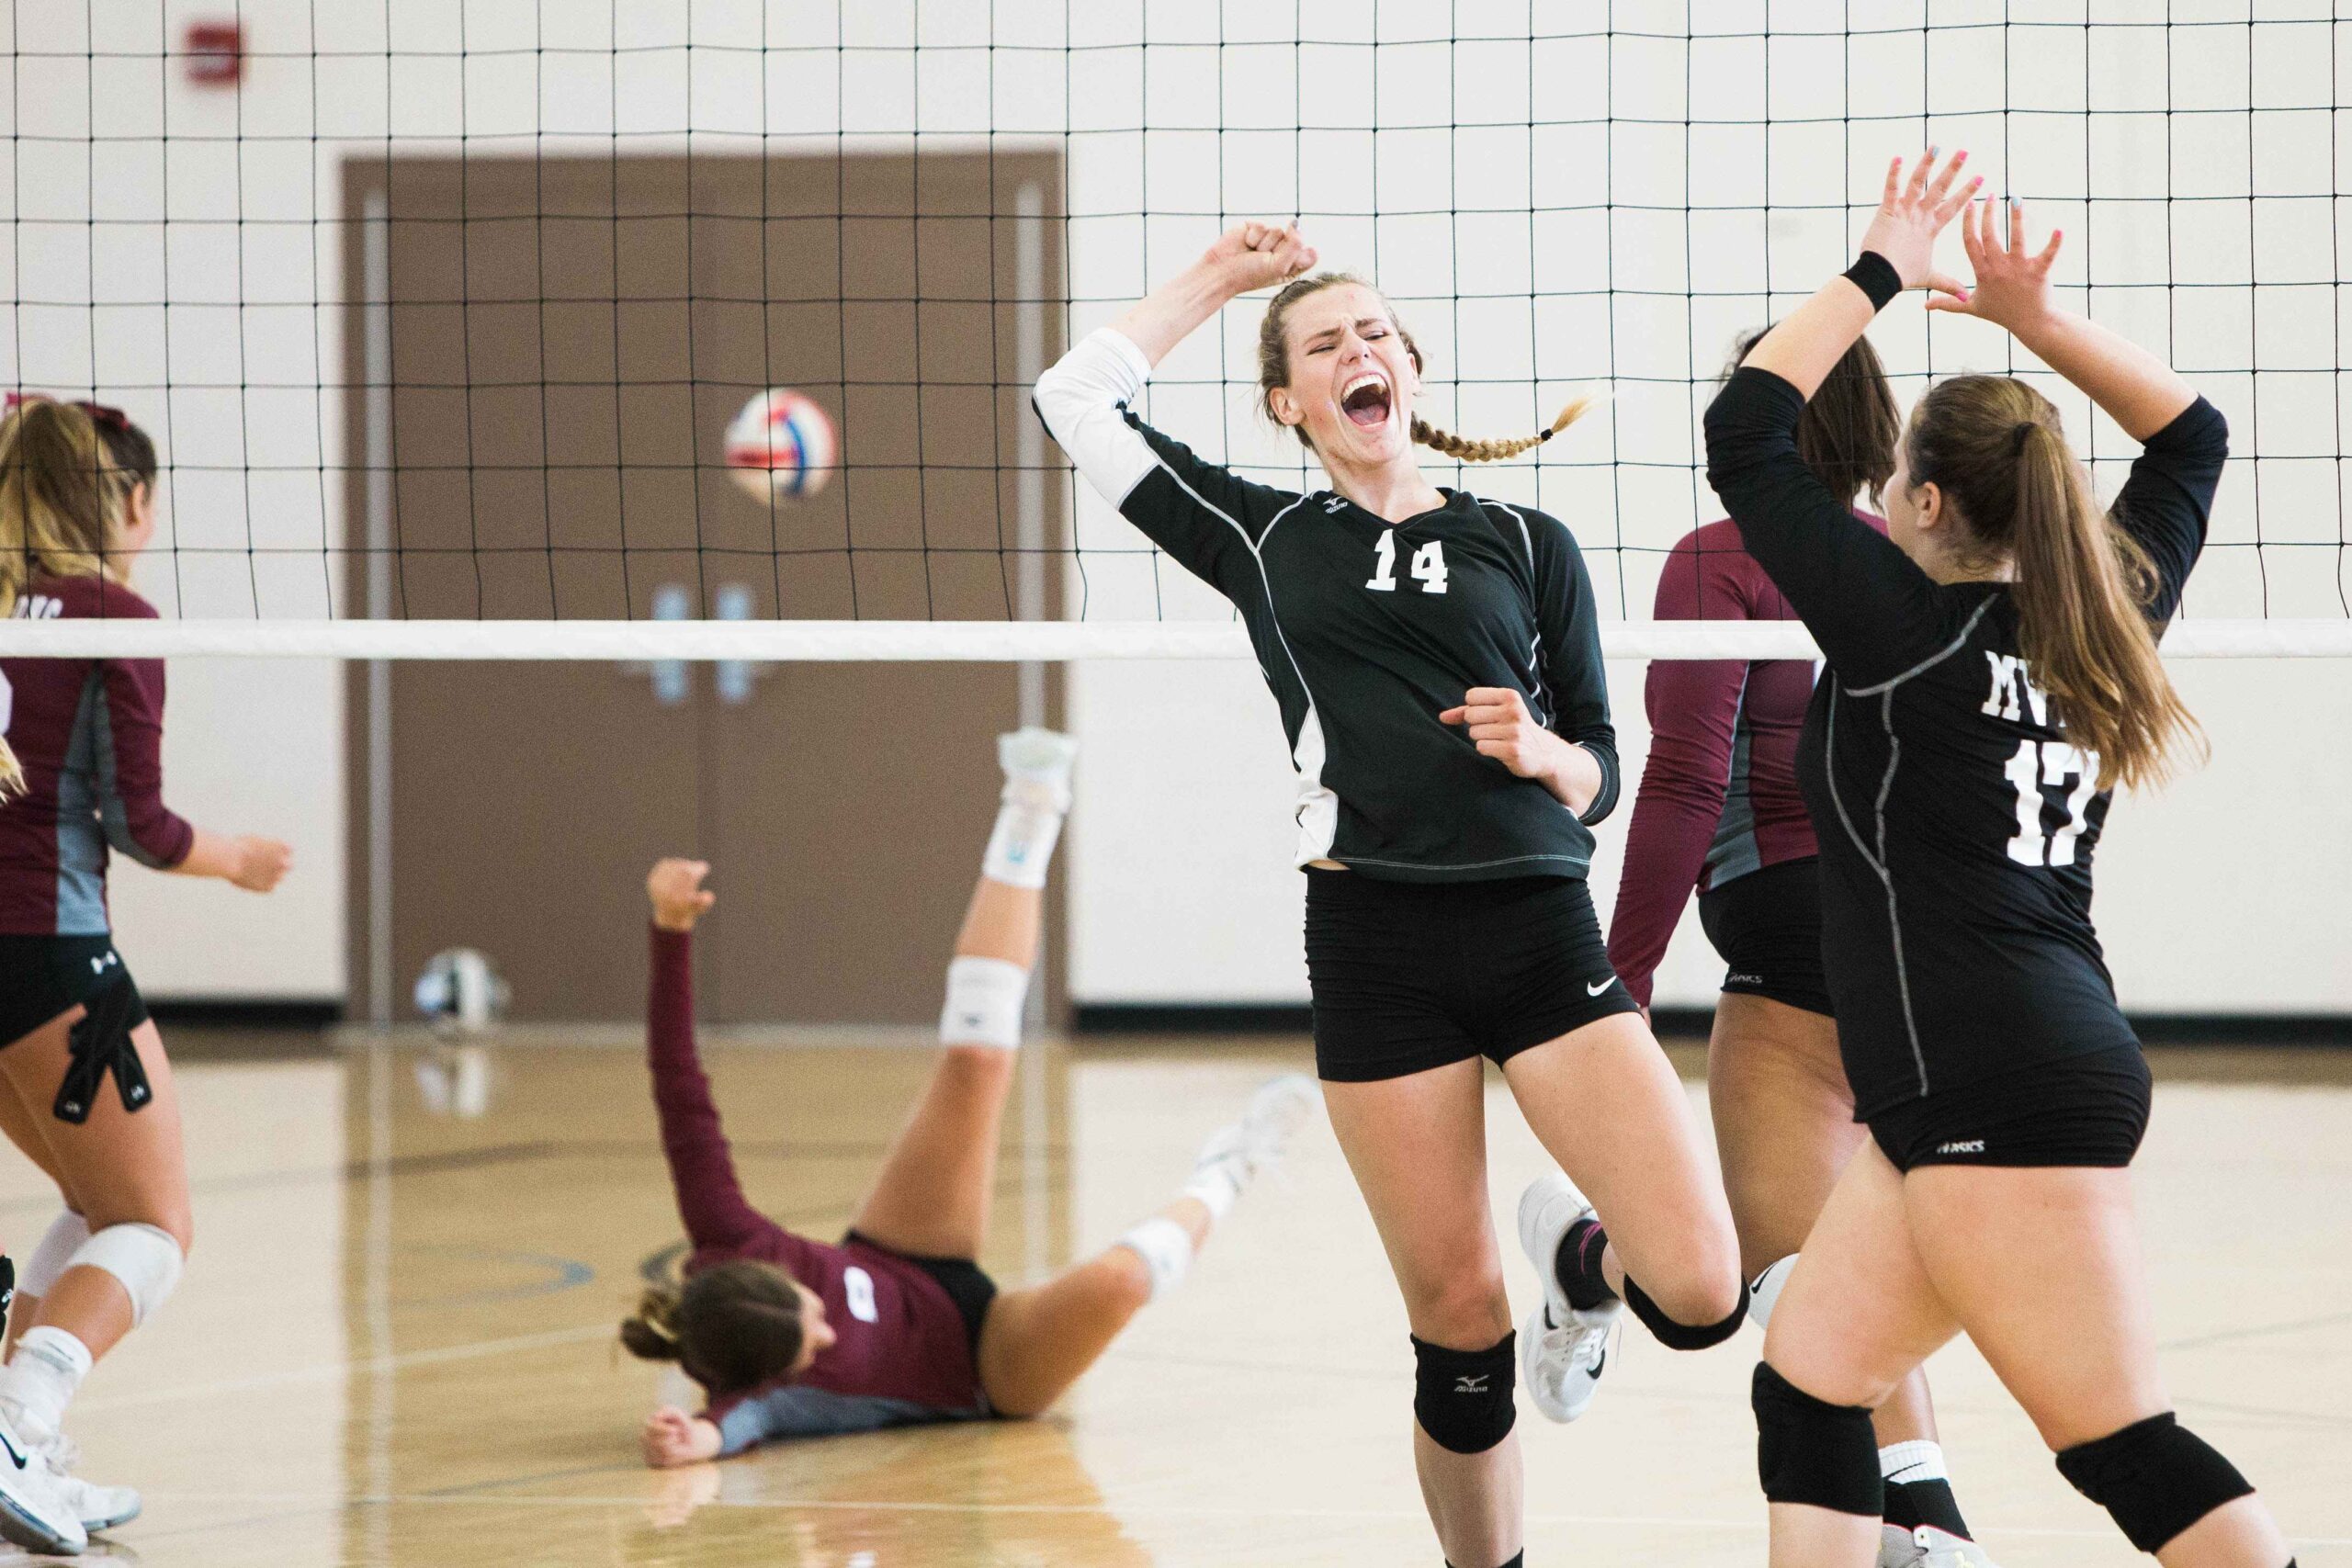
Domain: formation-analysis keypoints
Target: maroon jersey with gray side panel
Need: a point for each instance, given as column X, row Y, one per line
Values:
column 89, row 733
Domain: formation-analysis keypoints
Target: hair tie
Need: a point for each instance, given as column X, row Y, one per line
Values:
column 2019, row 437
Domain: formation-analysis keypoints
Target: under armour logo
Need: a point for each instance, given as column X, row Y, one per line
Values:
column 1472, row 1383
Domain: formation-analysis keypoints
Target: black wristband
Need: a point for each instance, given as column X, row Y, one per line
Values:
column 1875, row 276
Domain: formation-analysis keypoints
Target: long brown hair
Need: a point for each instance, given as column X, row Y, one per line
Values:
column 63, row 487
column 1273, row 370
column 1996, row 448
column 1848, row 433
column 732, row 1327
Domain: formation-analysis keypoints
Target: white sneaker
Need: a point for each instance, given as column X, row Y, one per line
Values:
column 1246, row 1149
column 1927, row 1547
column 34, row 1512
column 1562, row 1350
column 98, row 1507
column 1037, row 764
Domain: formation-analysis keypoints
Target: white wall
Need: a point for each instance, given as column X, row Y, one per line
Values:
column 1554, row 207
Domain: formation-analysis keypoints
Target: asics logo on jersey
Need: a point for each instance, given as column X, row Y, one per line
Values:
column 1592, row 991
column 1745, row 979
column 1469, row 1384
column 1963, row 1146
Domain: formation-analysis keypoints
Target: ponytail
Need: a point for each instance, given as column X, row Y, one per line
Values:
column 1463, row 449
column 2082, row 591
column 58, row 489
column 650, row 1331
column 2083, row 586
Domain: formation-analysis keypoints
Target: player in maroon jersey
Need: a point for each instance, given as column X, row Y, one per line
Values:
column 83, row 776
column 1718, row 807
column 896, row 1324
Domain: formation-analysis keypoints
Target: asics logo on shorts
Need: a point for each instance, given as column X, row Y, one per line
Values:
column 1470, row 1383
column 1963, row 1146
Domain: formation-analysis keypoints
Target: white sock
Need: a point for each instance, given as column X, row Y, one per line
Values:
column 1021, row 847
column 1166, row 1248
column 1918, row 1460
column 40, row 1380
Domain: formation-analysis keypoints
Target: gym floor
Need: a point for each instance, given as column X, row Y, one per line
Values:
column 394, row 1341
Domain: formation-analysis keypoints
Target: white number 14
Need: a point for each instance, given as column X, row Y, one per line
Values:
column 2050, row 762
column 1428, row 566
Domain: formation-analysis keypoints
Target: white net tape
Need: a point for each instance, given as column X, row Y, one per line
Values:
column 944, row 641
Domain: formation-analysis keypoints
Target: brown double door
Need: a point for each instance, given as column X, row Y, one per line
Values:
column 557, row 345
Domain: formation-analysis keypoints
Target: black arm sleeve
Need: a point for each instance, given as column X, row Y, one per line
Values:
column 1570, row 654
column 1874, row 613
column 2169, row 498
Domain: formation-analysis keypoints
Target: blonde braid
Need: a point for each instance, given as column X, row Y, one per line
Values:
column 1463, row 449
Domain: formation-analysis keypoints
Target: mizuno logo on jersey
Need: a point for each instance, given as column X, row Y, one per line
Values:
column 1965, row 1146
column 1335, row 503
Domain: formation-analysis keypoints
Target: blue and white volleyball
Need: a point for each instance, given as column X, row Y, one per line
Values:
column 781, row 448
column 460, row 991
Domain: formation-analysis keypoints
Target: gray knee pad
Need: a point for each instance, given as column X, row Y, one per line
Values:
column 1810, row 1452
column 2154, row 1477
column 1462, row 1398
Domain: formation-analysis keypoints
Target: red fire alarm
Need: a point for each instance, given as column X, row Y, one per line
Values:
column 216, row 53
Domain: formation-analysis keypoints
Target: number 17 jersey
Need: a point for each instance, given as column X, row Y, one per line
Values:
column 1957, row 820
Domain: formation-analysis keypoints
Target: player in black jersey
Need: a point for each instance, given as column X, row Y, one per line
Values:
column 1992, row 673
column 1437, row 665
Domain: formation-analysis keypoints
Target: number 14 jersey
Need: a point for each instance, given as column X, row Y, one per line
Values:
column 1957, row 822
column 1366, row 632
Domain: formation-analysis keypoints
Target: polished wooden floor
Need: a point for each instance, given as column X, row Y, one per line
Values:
column 394, row 1340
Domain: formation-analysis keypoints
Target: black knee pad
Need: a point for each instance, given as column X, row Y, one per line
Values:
column 1810, row 1452
column 1462, row 1398
column 2156, row 1477
column 1682, row 1336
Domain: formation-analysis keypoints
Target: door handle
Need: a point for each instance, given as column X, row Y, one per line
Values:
column 673, row 678
column 734, row 676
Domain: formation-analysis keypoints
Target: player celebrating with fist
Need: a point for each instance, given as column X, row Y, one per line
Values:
column 1436, row 660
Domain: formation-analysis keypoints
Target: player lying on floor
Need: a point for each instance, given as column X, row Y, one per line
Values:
column 896, row 1324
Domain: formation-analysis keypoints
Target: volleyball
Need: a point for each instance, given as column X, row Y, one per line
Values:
column 781, row 446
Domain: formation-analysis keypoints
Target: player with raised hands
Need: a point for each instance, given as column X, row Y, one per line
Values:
column 1992, row 674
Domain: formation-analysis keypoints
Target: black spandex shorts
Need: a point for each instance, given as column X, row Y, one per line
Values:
column 2083, row 1110
column 962, row 1278
column 1766, row 927
column 1410, row 976
column 41, row 976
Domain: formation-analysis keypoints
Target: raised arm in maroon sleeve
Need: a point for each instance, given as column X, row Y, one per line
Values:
column 1693, row 705
column 710, row 1199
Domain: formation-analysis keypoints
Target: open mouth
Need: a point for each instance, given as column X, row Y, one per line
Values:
column 1365, row 401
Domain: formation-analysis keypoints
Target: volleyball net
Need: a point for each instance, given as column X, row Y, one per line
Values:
column 446, row 318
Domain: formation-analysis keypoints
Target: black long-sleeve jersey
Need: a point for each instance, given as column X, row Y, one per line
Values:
column 1957, row 822
column 1366, row 633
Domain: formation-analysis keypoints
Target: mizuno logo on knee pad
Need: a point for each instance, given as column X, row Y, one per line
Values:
column 1471, row 1385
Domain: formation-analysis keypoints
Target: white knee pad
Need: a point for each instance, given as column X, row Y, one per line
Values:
column 985, row 998
column 1166, row 1248
column 64, row 1238
column 1764, row 1292
column 144, row 1256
